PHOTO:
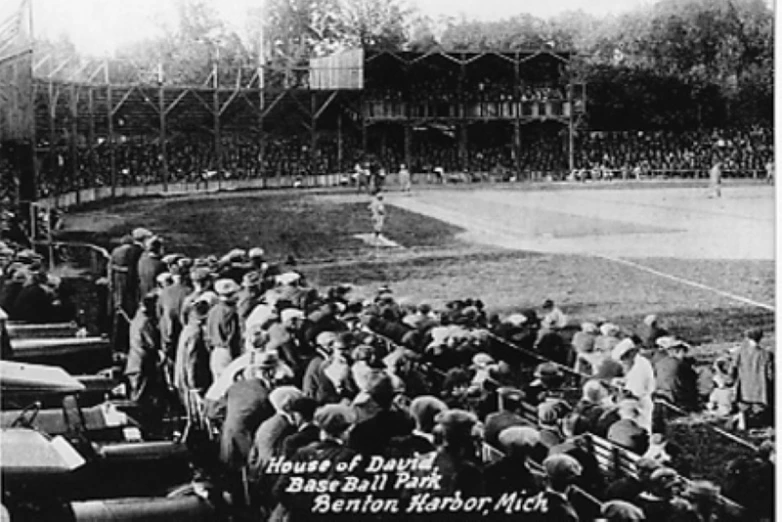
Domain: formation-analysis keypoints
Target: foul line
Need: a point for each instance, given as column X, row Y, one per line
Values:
column 695, row 284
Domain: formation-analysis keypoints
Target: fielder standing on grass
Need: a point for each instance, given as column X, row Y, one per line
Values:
column 715, row 180
column 378, row 209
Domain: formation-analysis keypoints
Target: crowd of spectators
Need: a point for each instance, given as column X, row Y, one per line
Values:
column 597, row 155
column 742, row 151
column 28, row 292
column 282, row 369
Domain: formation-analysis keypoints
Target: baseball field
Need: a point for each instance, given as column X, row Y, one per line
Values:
column 616, row 252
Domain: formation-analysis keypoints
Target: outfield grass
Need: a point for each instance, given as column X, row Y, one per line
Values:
column 305, row 227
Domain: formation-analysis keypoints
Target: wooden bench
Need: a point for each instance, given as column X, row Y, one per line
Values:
column 614, row 461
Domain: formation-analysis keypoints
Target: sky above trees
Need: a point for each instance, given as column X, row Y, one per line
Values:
column 100, row 26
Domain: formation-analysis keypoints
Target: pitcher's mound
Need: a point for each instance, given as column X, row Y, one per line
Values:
column 382, row 241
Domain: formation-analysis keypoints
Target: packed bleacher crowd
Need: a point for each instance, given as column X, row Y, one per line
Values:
column 598, row 155
column 276, row 368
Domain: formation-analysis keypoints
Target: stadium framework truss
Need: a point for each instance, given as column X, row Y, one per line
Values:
column 74, row 123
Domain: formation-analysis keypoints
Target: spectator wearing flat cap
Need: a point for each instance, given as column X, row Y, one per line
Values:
column 150, row 265
column 621, row 511
column 628, row 431
column 510, row 403
column 222, row 327
column 754, row 370
column 373, row 435
column 249, row 296
column 330, row 380
column 246, row 407
column 303, row 411
column 562, row 472
column 456, row 456
column 12, row 286
column 512, row 471
column 123, row 269
column 201, row 279
column 191, row 365
column 269, row 437
column 423, row 409
column 675, row 378
column 608, row 338
column 553, row 317
column 548, row 381
column 594, row 403
column 36, row 302
column 665, row 485
column 583, row 342
column 287, row 338
column 169, row 309
column 551, row 413
column 650, row 331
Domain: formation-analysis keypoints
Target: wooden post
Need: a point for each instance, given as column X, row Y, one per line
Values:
column 91, row 131
column 463, row 140
column 517, row 94
column 261, row 109
column 340, row 152
column 313, row 139
column 51, row 155
column 161, row 96
column 517, row 146
column 73, row 151
column 112, row 152
column 216, row 121
column 571, row 130
column 409, row 146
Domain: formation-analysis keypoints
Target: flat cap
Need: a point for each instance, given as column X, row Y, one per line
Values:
column 562, row 466
column 519, row 437
column 334, row 418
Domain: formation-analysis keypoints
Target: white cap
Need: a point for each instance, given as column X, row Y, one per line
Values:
column 621, row 348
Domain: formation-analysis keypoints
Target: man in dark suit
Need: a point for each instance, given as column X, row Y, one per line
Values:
column 627, row 432
column 191, row 364
column 512, row 472
column 510, row 400
column 169, row 308
column 562, row 471
column 424, row 409
column 142, row 369
column 330, row 381
column 456, row 456
column 246, row 407
column 270, row 435
column 676, row 379
column 150, row 265
column 35, row 302
column 303, row 411
column 373, row 435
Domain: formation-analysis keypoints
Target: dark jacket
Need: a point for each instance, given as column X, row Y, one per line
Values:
column 222, row 328
column 149, row 267
column 35, row 305
column 676, row 381
column 169, row 305
column 246, row 407
column 373, row 436
column 459, row 473
column 629, row 435
column 306, row 435
column 511, row 474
